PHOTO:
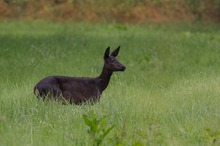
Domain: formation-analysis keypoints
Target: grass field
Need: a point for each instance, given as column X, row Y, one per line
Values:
column 168, row 95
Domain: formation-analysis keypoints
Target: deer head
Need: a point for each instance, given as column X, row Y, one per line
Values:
column 111, row 63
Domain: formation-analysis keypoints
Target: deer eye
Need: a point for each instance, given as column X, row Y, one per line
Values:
column 111, row 60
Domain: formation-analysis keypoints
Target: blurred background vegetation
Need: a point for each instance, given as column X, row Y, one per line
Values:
column 119, row 11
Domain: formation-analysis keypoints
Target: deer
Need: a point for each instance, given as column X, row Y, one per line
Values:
column 78, row 90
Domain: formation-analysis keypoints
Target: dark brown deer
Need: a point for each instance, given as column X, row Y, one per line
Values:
column 79, row 89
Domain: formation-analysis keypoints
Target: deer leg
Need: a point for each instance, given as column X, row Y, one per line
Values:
column 76, row 98
column 56, row 93
column 48, row 91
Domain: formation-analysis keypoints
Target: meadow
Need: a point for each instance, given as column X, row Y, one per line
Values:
column 168, row 95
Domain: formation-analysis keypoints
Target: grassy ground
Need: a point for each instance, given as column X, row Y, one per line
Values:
column 169, row 94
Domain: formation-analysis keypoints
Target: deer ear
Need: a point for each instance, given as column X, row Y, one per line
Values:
column 107, row 51
column 115, row 52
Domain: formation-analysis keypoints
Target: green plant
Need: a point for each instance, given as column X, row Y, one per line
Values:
column 96, row 127
column 211, row 135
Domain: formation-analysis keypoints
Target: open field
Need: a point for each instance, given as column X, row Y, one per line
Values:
column 168, row 95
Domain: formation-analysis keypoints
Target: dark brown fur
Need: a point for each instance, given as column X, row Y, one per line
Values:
column 79, row 89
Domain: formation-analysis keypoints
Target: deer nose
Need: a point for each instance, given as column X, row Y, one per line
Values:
column 123, row 68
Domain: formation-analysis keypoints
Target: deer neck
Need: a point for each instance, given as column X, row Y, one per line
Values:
column 104, row 78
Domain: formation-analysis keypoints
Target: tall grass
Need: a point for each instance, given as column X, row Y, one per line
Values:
column 169, row 94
